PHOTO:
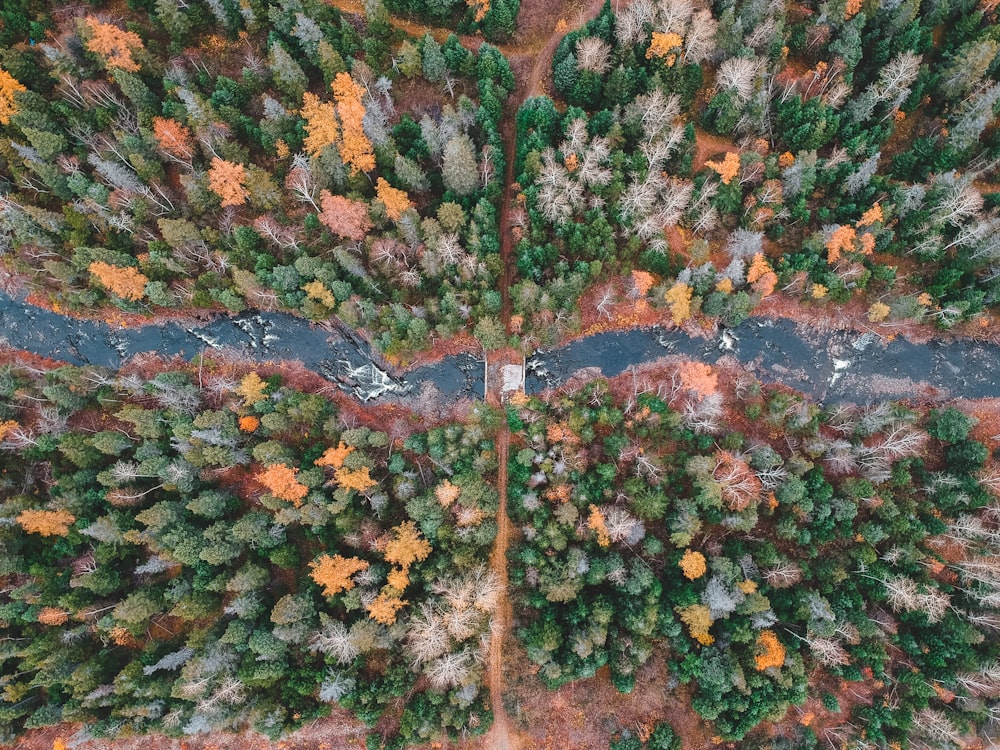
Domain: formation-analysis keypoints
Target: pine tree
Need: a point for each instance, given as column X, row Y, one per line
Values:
column 459, row 169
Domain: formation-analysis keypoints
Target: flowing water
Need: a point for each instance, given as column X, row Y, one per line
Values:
column 827, row 366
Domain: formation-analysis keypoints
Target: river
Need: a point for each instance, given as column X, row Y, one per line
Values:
column 829, row 367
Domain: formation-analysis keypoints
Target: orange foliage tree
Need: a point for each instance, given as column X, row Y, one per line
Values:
column 385, row 606
column 698, row 377
column 642, row 282
column 249, row 423
column 761, row 275
column 841, row 240
column 871, row 216
column 127, row 283
column 281, row 482
column 599, row 525
column 343, row 216
column 481, row 7
column 740, row 486
column 7, row 427
column 355, row 148
column 335, row 456
column 406, row 546
column 772, row 653
column 9, row 86
column 173, row 137
column 665, row 46
column 692, row 564
column 113, row 44
column 53, row 616
column 321, row 123
column 334, row 573
column 395, row 201
column 228, row 180
column 728, row 168
column 46, row 522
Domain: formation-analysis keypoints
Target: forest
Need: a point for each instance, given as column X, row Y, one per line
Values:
column 225, row 547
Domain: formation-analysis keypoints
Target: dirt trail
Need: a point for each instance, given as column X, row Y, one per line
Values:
column 500, row 736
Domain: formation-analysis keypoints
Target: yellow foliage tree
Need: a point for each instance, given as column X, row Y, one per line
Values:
column 818, row 291
column 335, row 456
column 9, row 86
column 878, row 312
column 252, row 389
column 728, row 168
column 316, row 290
column 127, row 283
column 113, row 44
column 359, row 479
column 46, row 522
column 446, row 493
column 281, row 482
column 228, row 181
column 395, row 201
column 698, row 618
column 693, row 564
column 355, row 148
column 321, row 124
column 679, row 299
column 770, row 651
column 599, row 525
column 334, row 573
column 664, row 46
column 406, row 546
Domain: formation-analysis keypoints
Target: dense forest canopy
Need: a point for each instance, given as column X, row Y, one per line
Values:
column 722, row 153
column 207, row 547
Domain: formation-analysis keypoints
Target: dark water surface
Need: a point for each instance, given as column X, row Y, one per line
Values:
column 827, row 366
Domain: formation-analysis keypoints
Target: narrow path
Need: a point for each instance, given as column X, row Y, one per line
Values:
column 500, row 736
